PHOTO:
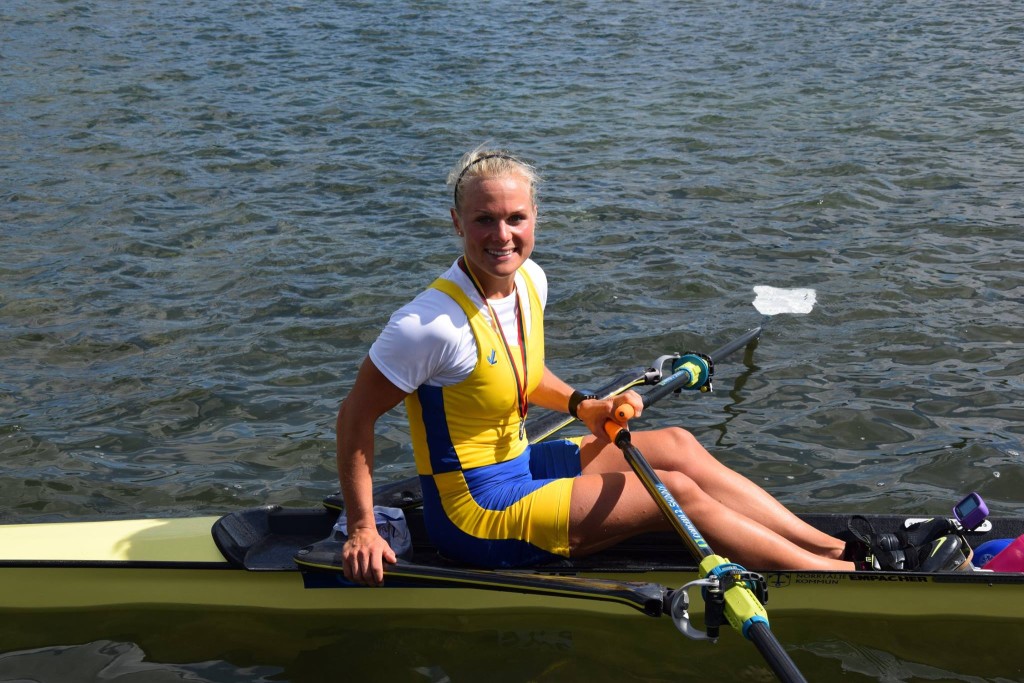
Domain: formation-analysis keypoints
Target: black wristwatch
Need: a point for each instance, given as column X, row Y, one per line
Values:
column 576, row 399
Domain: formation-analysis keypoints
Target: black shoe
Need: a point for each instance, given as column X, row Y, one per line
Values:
column 921, row 533
column 949, row 553
column 900, row 550
column 875, row 550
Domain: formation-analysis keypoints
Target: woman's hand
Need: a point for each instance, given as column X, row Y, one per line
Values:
column 363, row 557
column 595, row 412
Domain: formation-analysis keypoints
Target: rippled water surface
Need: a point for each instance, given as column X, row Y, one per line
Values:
column 208, row 210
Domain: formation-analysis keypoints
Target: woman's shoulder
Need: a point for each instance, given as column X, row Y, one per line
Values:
column 534, row 270
column 421, row 339
column 431, row 309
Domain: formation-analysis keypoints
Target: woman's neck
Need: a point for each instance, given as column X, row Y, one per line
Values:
column 490, row 288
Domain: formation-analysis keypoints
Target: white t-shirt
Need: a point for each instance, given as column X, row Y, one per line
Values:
column 429, row 341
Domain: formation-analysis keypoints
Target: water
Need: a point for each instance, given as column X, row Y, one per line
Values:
column 210, row 209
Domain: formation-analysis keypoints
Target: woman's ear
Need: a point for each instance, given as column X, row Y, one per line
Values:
column 455, row 222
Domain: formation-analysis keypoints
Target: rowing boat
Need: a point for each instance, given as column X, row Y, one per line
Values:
column 247, row 559
column 277, row 560
column 288, row 559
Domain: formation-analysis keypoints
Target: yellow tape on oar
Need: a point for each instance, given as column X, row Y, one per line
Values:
column 742, row 608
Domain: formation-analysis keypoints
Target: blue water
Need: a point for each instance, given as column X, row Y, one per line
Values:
column 208, row 210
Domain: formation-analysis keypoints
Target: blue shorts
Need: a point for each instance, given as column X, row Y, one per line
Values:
column 555, row 459
column 508, row 514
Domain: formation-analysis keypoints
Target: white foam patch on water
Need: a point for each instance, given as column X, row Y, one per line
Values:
column 772, row 300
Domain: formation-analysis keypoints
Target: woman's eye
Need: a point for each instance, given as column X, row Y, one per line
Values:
column 488, row 221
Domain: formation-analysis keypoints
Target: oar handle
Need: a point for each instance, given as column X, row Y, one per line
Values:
column 612, row 428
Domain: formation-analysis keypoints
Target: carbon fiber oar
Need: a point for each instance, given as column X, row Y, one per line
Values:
column 687, row 372
column 729, row 592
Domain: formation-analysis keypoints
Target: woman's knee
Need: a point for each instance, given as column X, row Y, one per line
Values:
column 681, row 437
column 682, row 487
column 674, row 448
column 676, row 438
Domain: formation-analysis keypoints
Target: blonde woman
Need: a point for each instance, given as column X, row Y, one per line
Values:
column 467, row 358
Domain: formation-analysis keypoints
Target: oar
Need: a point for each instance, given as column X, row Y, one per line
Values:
column 405, row 492
column 742, row 608
column 695, row 371
column 324, row 558
column 682, row 377
column 688, row 370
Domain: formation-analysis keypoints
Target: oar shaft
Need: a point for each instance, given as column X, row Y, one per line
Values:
column 673, row 512
column 549, row 424
column 736, row 344
column 774, row 654
column 756, row 630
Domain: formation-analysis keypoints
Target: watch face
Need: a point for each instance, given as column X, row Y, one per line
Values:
column 966, row 506
column 971, row 511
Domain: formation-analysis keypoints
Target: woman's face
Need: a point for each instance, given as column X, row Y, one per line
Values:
column 496, row 219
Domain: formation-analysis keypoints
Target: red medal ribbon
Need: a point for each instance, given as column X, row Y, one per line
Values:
column 521, row 383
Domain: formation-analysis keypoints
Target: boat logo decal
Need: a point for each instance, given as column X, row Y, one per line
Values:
column 784, row 579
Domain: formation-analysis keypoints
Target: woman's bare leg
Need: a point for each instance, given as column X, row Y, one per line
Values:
column 607, row 508
column 705, row 481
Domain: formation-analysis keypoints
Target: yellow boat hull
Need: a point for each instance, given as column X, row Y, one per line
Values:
column 176, row 563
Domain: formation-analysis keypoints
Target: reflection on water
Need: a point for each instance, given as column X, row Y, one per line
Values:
column 471, row 647
column 106, row 660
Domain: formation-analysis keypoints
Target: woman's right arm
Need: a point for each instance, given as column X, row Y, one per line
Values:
column 372, row 395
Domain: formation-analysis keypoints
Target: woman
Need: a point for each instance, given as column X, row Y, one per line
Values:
column 467, row 357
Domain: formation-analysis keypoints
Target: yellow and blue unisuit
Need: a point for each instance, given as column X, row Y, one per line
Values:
column 489, row 498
